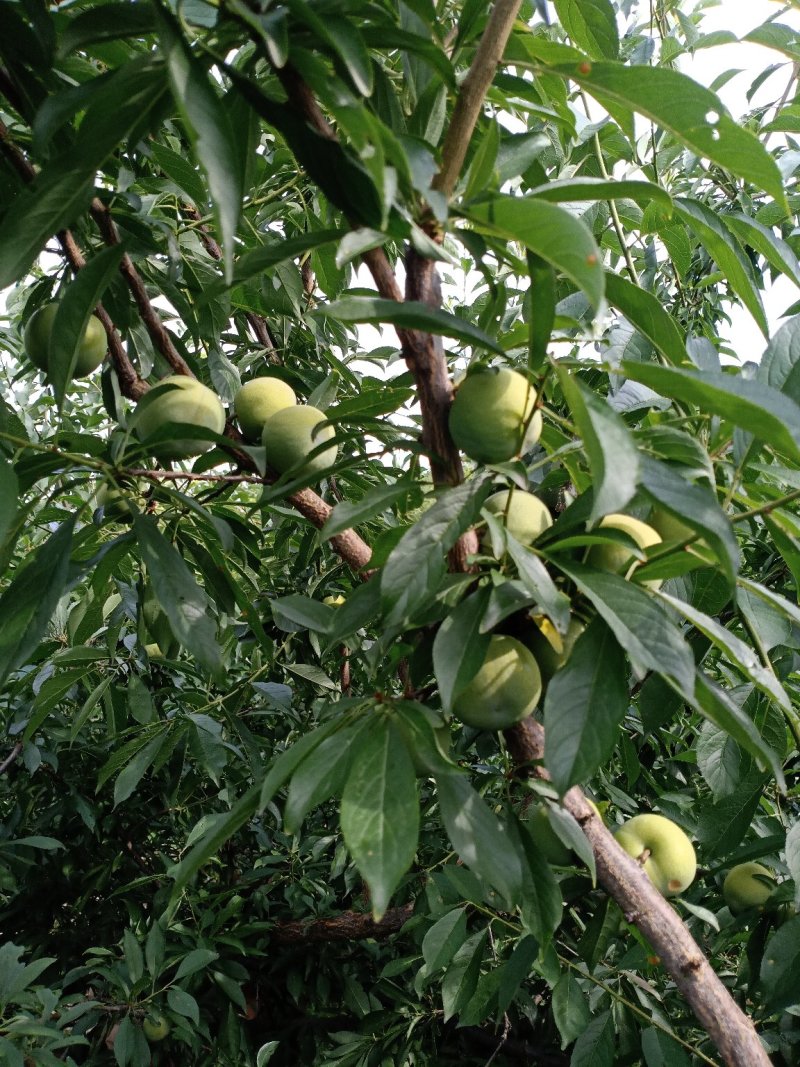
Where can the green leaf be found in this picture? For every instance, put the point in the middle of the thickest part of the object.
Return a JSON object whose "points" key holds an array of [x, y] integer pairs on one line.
{"points": [[460, 647], [695, 505], [640, 625], [321, 775], [133, 773], [181, 599], [410, 579], [295, 612], [63, 189], [780, 364], [196, 960], [134, 959], [694, 115], [535, 577], [724, 712], [592, 25], [777, 252], [380, 811], [726, 822], [585, 704], [408, 315], [793, 859], [660, 1050], [574, 190], [28, 603], [541, 301], [595, 1047], [210, 133], [550, 232], [737, 651], [267, 256], [769, 415], [540, 907], [109, 22], [727, 253], [647, 314], [461, 978], [780, 967], [343, 37], [74, 311], [570, 1008], [484, 843], [183, 1003], [347, 514], [612, 452], [179, 170], [443, 939], [9, 491]]}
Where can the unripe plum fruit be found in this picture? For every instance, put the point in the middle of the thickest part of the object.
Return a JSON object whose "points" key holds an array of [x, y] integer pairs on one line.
{"points": [[505, 690], [669, 858], [91, 347], [524, 514], [178, 399], [552, 649], [257, 401], [292, 434], [618, 558], [155, 1027], [744, 889], [493, 418]]}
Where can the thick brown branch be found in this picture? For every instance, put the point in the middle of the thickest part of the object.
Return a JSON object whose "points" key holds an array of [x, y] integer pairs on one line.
{"points": [[349, 926], [641, 903], [472, 93], [159, 335]]}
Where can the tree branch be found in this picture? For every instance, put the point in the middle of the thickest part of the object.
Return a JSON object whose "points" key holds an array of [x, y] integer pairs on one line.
{"points": [[159, 334], [130, 383], [11, 757], [641, 903], [472, 93], [348, 926]]}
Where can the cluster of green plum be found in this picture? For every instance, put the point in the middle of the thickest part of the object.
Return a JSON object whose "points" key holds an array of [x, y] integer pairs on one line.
{"points": [[493, 419], [293, 440], [294, 435]]}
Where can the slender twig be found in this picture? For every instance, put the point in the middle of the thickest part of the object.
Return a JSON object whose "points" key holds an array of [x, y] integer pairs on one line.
{"points": [[348, 926], [612, 207], [765, 509], [159, 334], [11, 757]]}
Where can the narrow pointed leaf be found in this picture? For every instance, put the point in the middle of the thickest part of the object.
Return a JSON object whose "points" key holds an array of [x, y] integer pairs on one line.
{"points": [[550, 232], [585, 704], [380, 811], [694, 116], [613, 455], [209, 131], [769, 415]]}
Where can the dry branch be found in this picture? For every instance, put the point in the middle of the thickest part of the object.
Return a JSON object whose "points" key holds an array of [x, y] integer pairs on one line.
{"points": [[348, 926]]}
